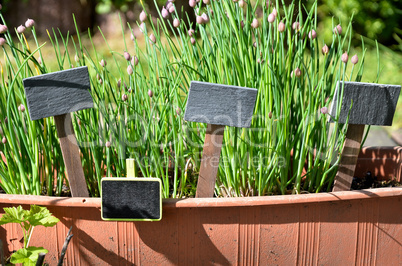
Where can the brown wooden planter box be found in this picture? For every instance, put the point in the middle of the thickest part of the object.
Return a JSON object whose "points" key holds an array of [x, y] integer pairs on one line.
{"points": [[342, 228]]}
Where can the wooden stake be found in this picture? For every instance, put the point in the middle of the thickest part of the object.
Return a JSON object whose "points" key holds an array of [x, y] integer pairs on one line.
{"points": [[71, 155], [350, 153], [210, 161]]}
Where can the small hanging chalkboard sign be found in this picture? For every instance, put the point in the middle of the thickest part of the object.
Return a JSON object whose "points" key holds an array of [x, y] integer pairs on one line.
{"points": [[131, 199]]}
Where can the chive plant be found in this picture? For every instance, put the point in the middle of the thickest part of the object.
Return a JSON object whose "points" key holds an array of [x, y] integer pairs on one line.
{"points": [[140, 95]]}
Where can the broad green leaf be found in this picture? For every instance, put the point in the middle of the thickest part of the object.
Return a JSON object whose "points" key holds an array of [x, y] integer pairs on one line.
{"points": [[13, 215], [41, 216], [27, 256]]}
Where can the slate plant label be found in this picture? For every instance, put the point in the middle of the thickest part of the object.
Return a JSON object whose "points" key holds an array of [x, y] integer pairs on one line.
{"points": [[373, 104], [219, 104], [58, 93]]}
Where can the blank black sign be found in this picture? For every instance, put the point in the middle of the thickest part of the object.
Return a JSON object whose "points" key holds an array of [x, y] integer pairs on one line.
{"points": [[132, 199]]}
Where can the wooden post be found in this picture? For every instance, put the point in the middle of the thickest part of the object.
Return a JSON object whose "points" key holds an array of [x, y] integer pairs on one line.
{"points": [[218, 106], [210, 161], [372, 104], [58, 94]]}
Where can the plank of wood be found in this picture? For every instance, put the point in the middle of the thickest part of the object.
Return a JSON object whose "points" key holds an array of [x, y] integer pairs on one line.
{"points": [[210, 161], [350, 152], [219, 104], [58, 93], [71, 155], [373, 104]]}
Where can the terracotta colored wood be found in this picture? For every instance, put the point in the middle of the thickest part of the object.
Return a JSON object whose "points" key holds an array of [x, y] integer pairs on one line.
{"points": [[210, 161], [350, 152], [71, 155]]}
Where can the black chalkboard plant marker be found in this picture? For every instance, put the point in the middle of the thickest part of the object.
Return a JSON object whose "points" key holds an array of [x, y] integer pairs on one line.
{"points": [[131, 198], [58, 94], [218, 106], [372, 104]]}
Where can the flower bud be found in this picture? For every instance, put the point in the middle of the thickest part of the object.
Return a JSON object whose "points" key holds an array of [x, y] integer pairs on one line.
{"points": [[103, 63], [325, 50], [152, 39], [124, 97], [130, 90], [76, 58], [165, 13], [118, 83], [134, 60], [1, 7], [150, 93], [312, 34], [4, 140], [344, 57], [3, 28], [168, 5], [29, 23], [132, 36], [274, 12], [242, 24], [199, 20], [129, 70], [21, 108], [205, 18], [127, 56], [281, 27], [40, 62], [324, 110], [192, 3], [108, 144], [296, 26], [178, 110], [205, 2], [2, 41], [255, 23], [242, 3], [172, 9], [190, 32], [143, 16], [338, 29], [142, 27], [297, 72], [271, 18], [270, 115], [354, 59], [176, 23], [192, 40], [20, 29]]}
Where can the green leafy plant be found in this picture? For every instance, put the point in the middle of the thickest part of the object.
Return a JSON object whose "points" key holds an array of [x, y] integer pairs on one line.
{"points": [[140, 93], [28, 220]]}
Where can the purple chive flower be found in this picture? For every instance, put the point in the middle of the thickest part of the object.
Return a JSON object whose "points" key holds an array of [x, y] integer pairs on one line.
{"points": [[345, 57], [3, 28], [124, 97], [192, 3], [206, 2], [338, 29], [274, 12], [165, 12], [129, 70], [29, 23], [4, 140], [134, 60], [103, 63], [191, 32], [297, 72], [150, 93], [108, 144], [199, 20], [281, 27], [143, 16], [271, 18], [21, 108], [205, 17], [324, 110], [242, 3], [354, 59], [168, 5], [127, 56], [152, 39], [296, 26], [176, 23], [325, 50], [2, 41], [172, 9], [20, 29], [255, 23], [312, 34]]}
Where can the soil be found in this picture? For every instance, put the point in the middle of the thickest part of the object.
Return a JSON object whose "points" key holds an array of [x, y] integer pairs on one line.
{"points": [[370, 181]]}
